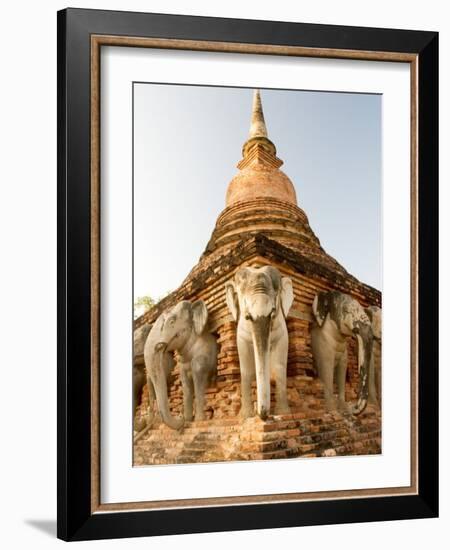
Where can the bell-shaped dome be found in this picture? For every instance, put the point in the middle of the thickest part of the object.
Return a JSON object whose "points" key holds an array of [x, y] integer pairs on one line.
{"points": [[259, 181], [259, 174]]}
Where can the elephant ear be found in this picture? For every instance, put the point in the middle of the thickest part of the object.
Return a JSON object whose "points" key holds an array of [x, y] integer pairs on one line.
{"points": [[158, 325], [232, 300], [287, 295], [374, 314], [320, 308], [139, 338], [199, 316]]}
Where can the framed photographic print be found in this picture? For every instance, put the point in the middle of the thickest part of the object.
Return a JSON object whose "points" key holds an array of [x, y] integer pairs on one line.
{"points": [[247, 254]]}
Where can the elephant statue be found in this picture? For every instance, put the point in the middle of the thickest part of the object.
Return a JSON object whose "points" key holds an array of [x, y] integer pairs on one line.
{"points": [[259, 299], [139, 380], [141, 336], [337, 317], [139, 377], [374, 314], [182, 329]]}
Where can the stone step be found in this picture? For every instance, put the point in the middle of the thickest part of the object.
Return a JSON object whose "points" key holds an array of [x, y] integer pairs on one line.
{"points": [[305, 432]]}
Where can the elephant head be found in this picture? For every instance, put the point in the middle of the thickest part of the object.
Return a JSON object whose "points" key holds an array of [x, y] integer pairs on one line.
{"points": [[374, 314], [349, 319], [260, 298], [174, 330], [182, 323]]}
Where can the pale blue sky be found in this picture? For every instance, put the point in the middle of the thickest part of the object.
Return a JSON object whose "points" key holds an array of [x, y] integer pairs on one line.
{"points": [[188, 140]]}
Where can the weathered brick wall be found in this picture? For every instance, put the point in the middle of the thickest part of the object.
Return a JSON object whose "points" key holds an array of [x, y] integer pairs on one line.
{"points": [[314, 432]]}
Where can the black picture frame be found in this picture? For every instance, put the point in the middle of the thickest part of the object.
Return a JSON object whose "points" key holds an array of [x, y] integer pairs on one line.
{"points": [[75, 518]]}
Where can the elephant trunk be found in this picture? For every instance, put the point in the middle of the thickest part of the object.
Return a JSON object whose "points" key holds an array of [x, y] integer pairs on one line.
{"points": [[365, 343], [151, 403], [160, 385], [260, 334]]}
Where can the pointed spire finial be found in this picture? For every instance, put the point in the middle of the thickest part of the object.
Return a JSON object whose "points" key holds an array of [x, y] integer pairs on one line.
{"points": [[258, 148], [258, 125]]}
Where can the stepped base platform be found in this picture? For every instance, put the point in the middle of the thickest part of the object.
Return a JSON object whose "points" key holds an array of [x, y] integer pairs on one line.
{"points": [[300, 434]]}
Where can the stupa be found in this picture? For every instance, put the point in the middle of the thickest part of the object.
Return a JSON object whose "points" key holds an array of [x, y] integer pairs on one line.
{"points": [[263, 224]]}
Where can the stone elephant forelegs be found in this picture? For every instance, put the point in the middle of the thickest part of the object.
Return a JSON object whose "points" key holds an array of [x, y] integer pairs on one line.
{"points": [[373, 396], [200, 378], [281, 400], [377, 371], [341, 375], [247, 365], [188, 391], [325, 358]]}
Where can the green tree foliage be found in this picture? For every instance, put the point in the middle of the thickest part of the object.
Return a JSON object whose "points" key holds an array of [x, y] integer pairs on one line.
{"points": [[142, 304]]}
